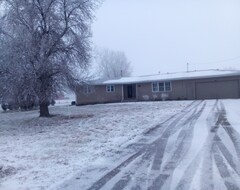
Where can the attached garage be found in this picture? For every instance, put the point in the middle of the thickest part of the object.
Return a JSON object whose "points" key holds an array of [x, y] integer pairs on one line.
{"points": [[227, 89]]}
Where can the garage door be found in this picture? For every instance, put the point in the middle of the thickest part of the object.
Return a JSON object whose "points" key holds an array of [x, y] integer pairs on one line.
{"points": [[217, 90]]}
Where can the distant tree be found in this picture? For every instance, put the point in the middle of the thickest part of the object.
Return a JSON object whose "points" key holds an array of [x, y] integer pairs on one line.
{"points": [[45, 46], [112, 64]]}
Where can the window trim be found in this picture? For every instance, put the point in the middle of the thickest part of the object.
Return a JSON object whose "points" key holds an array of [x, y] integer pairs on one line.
{"points": [[164, 82], [163, 87], [170, 86], [157, 87], [88, 89], [110, 85]]}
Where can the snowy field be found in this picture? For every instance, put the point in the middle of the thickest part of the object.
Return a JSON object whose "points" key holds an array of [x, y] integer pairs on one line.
{"points": [[38, 153], [196, 149]]}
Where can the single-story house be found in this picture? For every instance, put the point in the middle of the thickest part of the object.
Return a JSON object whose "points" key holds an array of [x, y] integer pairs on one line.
{"points": [[192, 85]]}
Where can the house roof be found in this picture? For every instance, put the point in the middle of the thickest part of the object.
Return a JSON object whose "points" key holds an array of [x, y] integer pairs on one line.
{"points": [[173, 76]]}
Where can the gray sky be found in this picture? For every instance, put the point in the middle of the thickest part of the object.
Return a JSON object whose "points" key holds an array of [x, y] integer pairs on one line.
{"points": [[163, 35]]}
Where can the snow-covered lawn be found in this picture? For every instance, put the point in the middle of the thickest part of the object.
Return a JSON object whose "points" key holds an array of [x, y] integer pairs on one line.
{"points": [[198, 148], [37, 153]]}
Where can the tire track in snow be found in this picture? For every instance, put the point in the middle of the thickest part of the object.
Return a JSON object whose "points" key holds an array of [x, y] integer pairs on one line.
{"points": [[235, 137], [207, 158], [158, 147], [189, 173], [100, 183], [219, 152], [232, 133], [159, 182], [122, 183], [177, 116], [145, 169], [228, 156], [184, 140], [229, 182], [207, 165], [172, 129], [148, 150], [183, 144]]}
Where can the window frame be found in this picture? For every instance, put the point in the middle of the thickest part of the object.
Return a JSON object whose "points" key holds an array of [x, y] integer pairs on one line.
{"points": [[160, 90], [88, 89], [170, 85], [157, 90], [110, 88], [164, 86]]}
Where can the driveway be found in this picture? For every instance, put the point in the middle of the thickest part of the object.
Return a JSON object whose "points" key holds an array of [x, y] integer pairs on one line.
{"points": [[194, 149]]}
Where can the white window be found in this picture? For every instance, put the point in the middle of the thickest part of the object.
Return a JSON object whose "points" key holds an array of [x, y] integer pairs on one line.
{"points": [[155, 87], [110, 88], [88, 89], [168, 86], [161, 86]]}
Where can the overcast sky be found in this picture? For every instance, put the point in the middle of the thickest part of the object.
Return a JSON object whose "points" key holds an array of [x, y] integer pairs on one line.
{"points": [[163, 35]]}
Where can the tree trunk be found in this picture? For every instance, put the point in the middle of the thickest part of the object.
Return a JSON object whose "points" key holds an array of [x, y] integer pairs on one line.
{"points": [[44, 112]]}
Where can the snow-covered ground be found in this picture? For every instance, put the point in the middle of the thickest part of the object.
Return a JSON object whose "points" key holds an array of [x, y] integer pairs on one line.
{"points": [[39, 153], [198, 148]]}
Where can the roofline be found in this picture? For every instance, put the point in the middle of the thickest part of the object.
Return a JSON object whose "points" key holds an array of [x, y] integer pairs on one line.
{"points": [[237, 73], [138, 81]]}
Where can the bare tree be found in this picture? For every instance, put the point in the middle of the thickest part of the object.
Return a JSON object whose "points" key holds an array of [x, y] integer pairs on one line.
{"points": [[46, 46], [112, 64]]}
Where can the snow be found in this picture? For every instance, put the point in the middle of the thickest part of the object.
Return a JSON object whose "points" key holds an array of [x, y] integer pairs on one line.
{"points": [[233, 111], [200, 132], [199, 142], [39, 153], [68, 99], [196, 149], [174, 76]]}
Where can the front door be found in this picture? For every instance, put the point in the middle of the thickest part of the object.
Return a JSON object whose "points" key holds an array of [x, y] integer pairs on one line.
{"points": [[130, 91]]}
